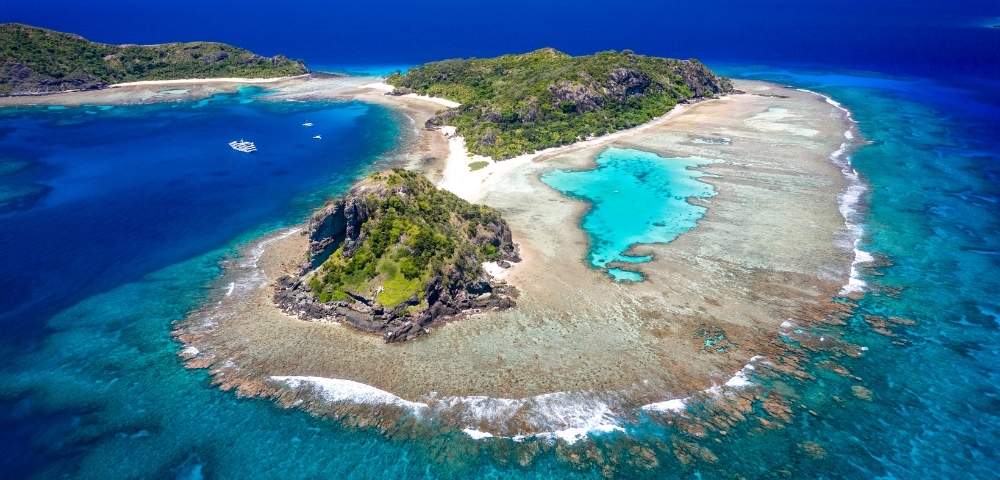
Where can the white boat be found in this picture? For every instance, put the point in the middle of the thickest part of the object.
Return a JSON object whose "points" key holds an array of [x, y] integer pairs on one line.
{"points": [[243, 146], [318, 137], [307, 124]]}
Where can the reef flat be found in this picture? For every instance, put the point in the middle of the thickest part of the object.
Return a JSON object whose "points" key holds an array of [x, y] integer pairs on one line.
{"points": [[772, 247]]}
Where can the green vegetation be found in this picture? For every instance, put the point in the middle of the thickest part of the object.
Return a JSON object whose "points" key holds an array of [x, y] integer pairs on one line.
{"points": [[478, 165], [515, 104], [413, 234], [36, 60]]}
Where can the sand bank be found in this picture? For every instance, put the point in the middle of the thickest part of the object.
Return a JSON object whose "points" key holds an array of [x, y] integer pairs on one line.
{"points": [[184, 81], [157, 91]]}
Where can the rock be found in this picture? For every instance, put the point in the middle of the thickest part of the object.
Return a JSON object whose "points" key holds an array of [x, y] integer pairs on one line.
{"points": [[457, 287], [575, 96], [702, 81], [624, 83], [325, 231], [861, 392]]}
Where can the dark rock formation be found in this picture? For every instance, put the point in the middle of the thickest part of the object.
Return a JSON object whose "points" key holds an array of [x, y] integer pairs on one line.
{"points": [[459, 286], [575, 96], [701, 80]]}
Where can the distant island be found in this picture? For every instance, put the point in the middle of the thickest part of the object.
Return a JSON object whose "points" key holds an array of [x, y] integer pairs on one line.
{"points": [[37, 61], [515, 104], [397, 254]]}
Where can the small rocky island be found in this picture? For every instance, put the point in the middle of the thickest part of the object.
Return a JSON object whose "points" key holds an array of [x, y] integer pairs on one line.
{"points": [[397, 255]]}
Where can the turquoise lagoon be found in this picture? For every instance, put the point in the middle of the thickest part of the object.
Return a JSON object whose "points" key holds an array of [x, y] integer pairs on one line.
{"points": [[636, 198]]}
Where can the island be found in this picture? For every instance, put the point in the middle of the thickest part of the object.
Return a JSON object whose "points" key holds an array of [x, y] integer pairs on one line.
{"points": [[559, 244], [37, 61], [515, 104], [396, 255]]}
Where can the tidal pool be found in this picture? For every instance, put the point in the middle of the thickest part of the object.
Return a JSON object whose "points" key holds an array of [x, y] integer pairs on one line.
{"points": [[636, 197]]}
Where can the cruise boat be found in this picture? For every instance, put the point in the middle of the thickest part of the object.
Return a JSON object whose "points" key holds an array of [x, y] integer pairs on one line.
{"points": [[243, 146]]}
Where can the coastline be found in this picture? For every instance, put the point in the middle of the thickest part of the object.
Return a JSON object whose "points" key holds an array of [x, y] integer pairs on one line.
{"points": [[150, 91], [184, 81], [481, 423]]}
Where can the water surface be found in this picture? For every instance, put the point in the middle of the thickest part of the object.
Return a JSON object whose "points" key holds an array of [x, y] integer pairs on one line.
{"points": [[636, 198], [102, 195], [140, 204]]}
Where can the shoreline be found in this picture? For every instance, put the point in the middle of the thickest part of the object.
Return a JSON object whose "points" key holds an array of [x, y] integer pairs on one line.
{"points": [[507, 167], [149, 92], [851, 200], [185, 81]]}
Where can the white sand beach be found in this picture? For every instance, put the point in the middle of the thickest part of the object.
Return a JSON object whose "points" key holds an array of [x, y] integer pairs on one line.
{"points": [[184, 81]]}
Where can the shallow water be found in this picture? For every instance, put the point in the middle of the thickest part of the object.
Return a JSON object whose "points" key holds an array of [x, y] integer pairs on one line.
{"points": [[636, 198], [92, 387]]}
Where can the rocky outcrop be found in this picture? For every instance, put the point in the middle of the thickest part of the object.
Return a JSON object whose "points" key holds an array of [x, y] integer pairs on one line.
{"points": [[446, 300], [575, 96], [701, 80], [457, 286], [339, 223], [19, 79], [624, 83]]}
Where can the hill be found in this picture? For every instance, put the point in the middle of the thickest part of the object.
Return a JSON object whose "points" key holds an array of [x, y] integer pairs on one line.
{"points": [[517, 104], [36, 60], [396, 254]]}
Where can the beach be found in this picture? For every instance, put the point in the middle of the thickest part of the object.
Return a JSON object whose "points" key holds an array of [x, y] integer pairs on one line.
{"points": [[772, 248], [151, 91]]}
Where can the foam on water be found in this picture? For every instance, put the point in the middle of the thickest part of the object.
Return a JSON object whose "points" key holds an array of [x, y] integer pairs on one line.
{"points": [[569, 417], [739, 380], [339, 390], [476, 434], [566, 416], [850, 200]]}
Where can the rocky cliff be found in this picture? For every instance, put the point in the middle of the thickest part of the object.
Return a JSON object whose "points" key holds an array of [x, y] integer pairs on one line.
{"points": [[396, 255]]}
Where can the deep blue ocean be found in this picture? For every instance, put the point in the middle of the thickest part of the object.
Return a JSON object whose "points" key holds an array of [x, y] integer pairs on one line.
{"points": [[113, 224]]}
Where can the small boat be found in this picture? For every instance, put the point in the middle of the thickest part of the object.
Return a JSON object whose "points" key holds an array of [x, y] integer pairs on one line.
{"points": [[317, 137], [307, 124], [243, 146]]}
